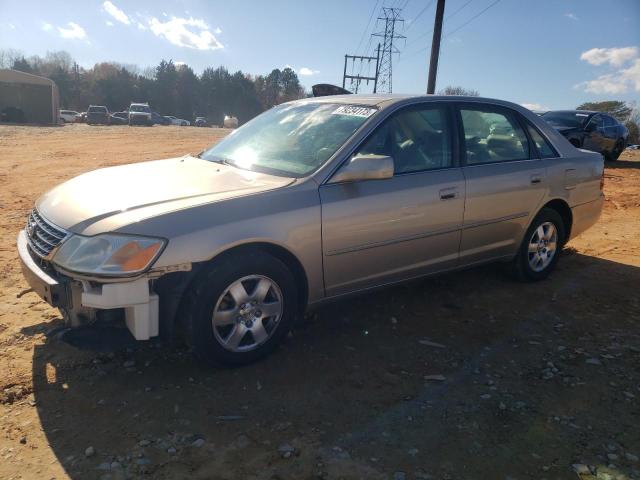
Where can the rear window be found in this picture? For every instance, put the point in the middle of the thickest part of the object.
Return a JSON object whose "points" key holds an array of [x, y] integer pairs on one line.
{"points": [[566, 119], [97, 110], [140, 108], [542, 144]]}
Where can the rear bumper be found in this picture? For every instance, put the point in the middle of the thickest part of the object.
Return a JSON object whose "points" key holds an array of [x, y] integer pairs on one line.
{"points": [[586, 215], [51, 289]]}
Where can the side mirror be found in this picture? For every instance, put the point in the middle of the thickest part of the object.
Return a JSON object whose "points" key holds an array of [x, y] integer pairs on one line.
{"points": [[365, 167]]}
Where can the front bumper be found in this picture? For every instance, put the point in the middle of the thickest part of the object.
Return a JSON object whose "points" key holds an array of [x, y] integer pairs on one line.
{"points": [[51, 289], [141, 306]]}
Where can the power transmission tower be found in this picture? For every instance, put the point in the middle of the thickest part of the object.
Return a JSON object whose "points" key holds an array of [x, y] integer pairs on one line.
{"points": [[356, 79], [391, 16]]}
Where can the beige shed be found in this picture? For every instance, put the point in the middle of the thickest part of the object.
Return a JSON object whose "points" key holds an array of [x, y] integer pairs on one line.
{"points": [[27, 98]]}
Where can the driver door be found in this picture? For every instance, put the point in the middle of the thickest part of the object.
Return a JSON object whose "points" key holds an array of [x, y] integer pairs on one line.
{"points": [[380, 231]]}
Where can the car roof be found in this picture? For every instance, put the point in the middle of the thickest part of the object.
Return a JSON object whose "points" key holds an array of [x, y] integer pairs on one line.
{"points": [[386, 100], [584, 112]]}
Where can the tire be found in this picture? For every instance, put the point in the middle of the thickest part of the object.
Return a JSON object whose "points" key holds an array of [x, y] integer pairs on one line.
{"points": [[617, 150], [525, 265], [216, 308]]}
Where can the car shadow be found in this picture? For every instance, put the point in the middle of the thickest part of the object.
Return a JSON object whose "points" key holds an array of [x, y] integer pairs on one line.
{"points": [[351, 377], [623, 164]]}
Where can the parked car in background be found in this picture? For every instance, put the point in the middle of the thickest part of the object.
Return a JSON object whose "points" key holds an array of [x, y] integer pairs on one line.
{"points": [[140, 114], [310, 201], [178, 121], [593, 131], [83, 117], [201, 122], [98, 115], [230, 122], [633, 147], [69, 116], [158, 119], [120, 118]]}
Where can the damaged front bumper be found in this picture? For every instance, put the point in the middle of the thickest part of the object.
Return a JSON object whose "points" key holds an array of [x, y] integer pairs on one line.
{"points": [[80, 298]]}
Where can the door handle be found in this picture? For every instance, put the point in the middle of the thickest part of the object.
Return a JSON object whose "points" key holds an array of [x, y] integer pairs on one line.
{"points": [[536, 179], [448, 193]]}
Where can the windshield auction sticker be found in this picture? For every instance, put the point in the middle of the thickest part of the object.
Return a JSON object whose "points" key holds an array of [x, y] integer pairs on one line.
{"points": [[354, 111]]}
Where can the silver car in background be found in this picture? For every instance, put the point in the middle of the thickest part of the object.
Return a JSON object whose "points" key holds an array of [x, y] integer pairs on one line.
{"points": [[310, 201]]}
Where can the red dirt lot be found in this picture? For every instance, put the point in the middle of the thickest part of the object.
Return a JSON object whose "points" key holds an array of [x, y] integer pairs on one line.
{"points": [[463, 376]]}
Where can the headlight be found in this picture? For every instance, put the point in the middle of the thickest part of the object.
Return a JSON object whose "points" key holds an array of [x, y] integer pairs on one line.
{"points": [[108, 254]]}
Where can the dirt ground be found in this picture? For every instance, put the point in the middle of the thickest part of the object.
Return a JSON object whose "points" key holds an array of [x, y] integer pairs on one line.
{"points": [[464, 376]]}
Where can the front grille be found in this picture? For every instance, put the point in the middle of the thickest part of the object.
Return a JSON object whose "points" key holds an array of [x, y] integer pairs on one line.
{"points": [[42, 235]]}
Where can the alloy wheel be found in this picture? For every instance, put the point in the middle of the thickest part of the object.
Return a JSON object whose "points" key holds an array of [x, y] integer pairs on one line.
{"points": [[543, 245], [247, 313]]}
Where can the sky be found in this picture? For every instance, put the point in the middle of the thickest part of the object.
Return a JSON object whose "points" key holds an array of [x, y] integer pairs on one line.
{"points": [[546, 54]]}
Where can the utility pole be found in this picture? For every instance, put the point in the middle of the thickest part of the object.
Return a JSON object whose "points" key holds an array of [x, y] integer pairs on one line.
{"points": [[391, 16], [435, 48], [356, 79]]}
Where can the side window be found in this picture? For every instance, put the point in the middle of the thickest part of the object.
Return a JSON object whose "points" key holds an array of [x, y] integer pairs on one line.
{"points": [[492, 136], [418, 139], [544, 147], [609, 122], [596, 122]]}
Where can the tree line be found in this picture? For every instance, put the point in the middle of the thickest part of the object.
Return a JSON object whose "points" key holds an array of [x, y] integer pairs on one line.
{"points": [[170, 88]]}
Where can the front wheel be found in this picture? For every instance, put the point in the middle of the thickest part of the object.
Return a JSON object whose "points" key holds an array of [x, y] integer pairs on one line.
{"points": [[239, 308], [541, 246]]}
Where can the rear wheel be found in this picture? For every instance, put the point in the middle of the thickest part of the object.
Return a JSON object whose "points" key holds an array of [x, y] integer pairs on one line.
{"points": [[541, 246], [239, 308], [617, 150]]}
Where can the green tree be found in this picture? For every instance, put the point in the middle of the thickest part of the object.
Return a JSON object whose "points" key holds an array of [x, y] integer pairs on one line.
{"points": [[616, 108], [451, 90]]}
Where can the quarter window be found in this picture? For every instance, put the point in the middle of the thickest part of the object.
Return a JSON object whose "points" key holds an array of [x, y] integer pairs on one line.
{"points": [[417, 139], [544, 147], [492, 136]]}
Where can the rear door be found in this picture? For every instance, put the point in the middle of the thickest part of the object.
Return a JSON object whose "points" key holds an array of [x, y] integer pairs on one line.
{"points": [[380, 231], [504, 182]]}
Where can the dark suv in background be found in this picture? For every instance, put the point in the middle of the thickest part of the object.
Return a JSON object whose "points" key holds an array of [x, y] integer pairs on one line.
{"points": [[98, 115], [593, 131]]}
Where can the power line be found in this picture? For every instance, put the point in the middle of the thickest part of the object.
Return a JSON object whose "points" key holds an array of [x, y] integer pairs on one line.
{"points": [[471, 19], [414, 53], [419, 15], [367, 27], [448, 17]]}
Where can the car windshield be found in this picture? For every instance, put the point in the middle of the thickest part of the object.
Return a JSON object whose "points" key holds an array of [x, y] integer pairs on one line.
{"points": [[139, 108], [97, 109], [566, 119], [290, 140]]}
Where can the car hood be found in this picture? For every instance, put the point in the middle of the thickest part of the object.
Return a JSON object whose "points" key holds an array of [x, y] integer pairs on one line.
{"points": [[109, 198]]}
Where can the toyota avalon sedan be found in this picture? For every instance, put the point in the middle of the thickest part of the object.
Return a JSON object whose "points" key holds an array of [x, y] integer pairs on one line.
{"points": [[311, 201]]}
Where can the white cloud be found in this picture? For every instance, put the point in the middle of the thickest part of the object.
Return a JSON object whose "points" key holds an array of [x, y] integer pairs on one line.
{"points": [[571, 16], [307, 71], [141, 26], [186, 32], [47, 27], [74, 31], [534, 106], [12, 26], [217, 31], [116, 13], [616, 57], [619, 81], [109, 23]]}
